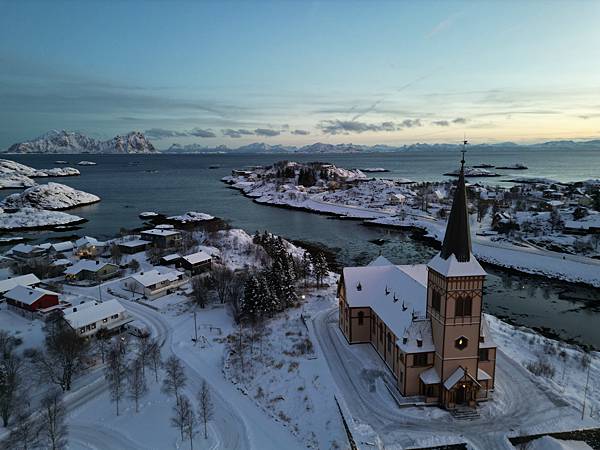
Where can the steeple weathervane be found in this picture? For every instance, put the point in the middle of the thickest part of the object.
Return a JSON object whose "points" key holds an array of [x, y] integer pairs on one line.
{"points": [[463, 151]]}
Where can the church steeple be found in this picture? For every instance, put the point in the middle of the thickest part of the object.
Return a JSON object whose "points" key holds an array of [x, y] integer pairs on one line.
{"points": [[457, 240]]}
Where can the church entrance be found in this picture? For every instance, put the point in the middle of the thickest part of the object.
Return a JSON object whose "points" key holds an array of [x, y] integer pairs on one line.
{"points": [[461, 395]]}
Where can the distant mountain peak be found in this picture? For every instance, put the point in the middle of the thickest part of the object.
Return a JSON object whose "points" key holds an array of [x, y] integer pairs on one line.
{"points": [[63, 141]]}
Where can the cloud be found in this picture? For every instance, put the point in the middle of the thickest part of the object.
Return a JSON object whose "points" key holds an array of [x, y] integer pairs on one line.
{"points": [[199, 132], [230, 132], [354, 126], [301, 132], [160, 133], [447, 123], [460, 120], [443, 25], [267, 132], [441, 123]]}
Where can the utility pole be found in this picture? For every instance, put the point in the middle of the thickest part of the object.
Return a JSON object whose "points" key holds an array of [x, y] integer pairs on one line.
{"points": [[195, 327], [587, 382]]}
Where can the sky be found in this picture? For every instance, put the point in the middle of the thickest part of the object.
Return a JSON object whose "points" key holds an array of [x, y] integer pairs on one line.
{"points": [[298, 72]]}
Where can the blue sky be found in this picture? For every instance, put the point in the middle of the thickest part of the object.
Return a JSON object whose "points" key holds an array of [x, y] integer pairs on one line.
{"points": [[295, 72]]}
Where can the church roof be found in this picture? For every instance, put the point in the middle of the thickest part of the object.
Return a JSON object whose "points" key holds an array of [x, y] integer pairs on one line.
{"points": [[457, 240]]}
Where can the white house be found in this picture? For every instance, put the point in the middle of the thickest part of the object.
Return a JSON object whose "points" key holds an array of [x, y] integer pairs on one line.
{"points": [[88, 246], [155, 283], [23, 280], [397, 198], [88, 320]]}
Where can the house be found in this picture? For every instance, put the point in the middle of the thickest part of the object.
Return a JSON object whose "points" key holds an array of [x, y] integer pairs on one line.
{"points": [[134, 246], [29, 254], [162, 238], [196, 262], [87, 269], [155, 283], [396, 199], [173, 259], [24, 299], [88, 247], [94, 316], [23, 280], [425, 321], [62, 247]]}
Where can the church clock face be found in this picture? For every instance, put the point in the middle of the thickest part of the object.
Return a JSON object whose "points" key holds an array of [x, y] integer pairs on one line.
{"points": [[461, 343]]}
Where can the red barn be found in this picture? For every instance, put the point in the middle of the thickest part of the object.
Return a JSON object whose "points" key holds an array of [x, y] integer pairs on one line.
{"points": [[30, 299]]}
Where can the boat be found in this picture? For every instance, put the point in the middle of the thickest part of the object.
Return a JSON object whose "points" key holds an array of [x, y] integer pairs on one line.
{"points": [[60, 161], [513, 167], [215, 166], [86, 163]]}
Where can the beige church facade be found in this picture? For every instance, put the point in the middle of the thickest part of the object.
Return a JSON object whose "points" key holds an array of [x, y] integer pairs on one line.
{"points": [[425, 321]]}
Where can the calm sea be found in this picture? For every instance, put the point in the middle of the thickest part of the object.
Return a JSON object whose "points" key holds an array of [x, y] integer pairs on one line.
{"points": [[173, 184]]}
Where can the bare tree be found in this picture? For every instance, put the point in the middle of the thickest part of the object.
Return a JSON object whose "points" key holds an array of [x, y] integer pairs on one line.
{"points": [[175, 378], [53, 430], [154, 357], [222, 277], [24, 433], [116, 255], [142, 345], [102, 343], [205, 406], [199, 291], [181, 412], [64, 356], [189, 427], [11, 381], [137, 382], [116, 373], [236, 294]]}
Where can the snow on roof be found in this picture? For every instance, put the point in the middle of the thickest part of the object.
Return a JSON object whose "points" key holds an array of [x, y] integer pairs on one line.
{"points": [[26, 248], [23, 280], [161, 232], [155, 276], [27, 295], [550, 443], [83, 305], [451, 267], [134, 243], [94, 313], [88, 240], [196, 258], [62, 262], [418, 330], [554, 203], [430, 376], [456, 376], [87, 264], [63, 246], [171, 257], [377, 287], [380, 261], [482, 375]]}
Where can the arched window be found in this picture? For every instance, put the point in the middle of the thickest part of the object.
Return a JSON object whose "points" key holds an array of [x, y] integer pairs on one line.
{"points": [[380, 332], [436, 301], [361, 317], [389, 342]]}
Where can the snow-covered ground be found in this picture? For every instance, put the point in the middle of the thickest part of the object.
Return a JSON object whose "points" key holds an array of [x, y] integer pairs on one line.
{"points": [[17, 175], [26, 218], [51, 196]]}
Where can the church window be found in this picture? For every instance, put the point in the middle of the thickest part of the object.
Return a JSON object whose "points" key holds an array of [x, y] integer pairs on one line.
{"points": [[380, 333], [361, 317], [436, 300], [420, 359], [461, 343], [484, 354], [389, 342], [463, 307]]}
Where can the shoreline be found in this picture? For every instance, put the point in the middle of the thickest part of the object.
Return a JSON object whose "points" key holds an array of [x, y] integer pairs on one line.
{"points": [[429, 235]]}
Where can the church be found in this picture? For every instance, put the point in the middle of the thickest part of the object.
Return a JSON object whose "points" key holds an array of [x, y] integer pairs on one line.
{"points": [[425, 321]]}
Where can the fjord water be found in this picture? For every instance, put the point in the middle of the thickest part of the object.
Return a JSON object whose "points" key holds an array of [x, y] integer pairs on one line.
{"points": [[173, 184]]}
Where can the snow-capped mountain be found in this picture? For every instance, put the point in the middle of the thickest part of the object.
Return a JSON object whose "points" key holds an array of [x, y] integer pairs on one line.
{"points": [[73, 142], [320, 147]]}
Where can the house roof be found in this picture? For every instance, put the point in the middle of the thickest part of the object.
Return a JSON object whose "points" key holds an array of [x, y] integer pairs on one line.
{"points": [[63, 246], [94, 313], [457, 240], [451, 267], [171, 257], [155, 276], [23, 280], [418, 329], [482, 375], [197, 258], [377, 287], [88, 265], [456, 376], [133, 243], [380, 261], [26, 248], [430, 376], [26, 294], [88, 240], [161, 232]]}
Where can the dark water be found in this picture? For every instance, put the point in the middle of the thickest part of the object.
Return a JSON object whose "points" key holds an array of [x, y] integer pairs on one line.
{"points": [[173, 184]]}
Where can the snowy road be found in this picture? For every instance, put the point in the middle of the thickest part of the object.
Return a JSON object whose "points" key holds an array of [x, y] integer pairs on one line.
{"points": [[519, 405]]}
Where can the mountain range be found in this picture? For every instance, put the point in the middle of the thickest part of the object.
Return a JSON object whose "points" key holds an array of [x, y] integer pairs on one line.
{"points": [[73, 142]]}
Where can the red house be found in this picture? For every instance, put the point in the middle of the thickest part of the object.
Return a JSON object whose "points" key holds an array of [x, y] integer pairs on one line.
{"points": [[29, 299]]}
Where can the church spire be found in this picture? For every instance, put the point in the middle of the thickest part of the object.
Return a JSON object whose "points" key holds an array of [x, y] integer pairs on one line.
{"points": [[457, 240]]}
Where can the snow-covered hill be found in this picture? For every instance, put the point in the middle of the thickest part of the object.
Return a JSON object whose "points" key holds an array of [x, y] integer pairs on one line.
{"points": [[51, 196], [16, 175], [73, 142]]}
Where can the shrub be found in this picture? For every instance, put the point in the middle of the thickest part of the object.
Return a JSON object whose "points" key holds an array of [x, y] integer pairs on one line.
{"points": [[541, 368]]}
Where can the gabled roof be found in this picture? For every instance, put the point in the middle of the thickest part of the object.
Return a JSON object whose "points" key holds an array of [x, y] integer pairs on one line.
{"points": [[155, 276], [377, 287], [88, 240], [23, 280], [451, 267], [197, 258], [160, 232], [456, 376], [27, 295], [88, 265], [94, 313], [430, 376], [380, 261]]}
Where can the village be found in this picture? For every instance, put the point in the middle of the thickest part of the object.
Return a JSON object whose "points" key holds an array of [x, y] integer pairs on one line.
{"points": [[267, 326]]}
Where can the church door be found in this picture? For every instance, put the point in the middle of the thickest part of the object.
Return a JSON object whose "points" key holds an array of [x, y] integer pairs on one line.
{"points": [[461, 395]]}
